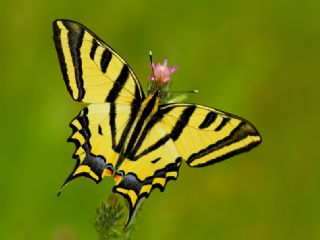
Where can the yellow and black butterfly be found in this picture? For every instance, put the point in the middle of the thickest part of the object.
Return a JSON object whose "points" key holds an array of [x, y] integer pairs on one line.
{"points": [[129, 135]]}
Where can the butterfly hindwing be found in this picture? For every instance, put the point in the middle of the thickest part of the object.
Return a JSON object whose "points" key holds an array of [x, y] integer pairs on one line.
{"points": [[97, 132], [154, 165], [92, 71]]}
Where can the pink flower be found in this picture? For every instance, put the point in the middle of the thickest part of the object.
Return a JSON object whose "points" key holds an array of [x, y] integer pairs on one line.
{"points": [[162, 72]]}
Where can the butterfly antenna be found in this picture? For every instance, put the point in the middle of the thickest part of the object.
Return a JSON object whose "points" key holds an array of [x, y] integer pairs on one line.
{"points": [[151, 63], [187, 91]]}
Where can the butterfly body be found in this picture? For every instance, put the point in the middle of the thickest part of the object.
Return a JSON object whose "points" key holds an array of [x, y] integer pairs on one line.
{"points": [[129, 135]]}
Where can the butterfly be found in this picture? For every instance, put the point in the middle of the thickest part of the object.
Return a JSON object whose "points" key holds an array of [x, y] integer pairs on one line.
{"points": [[135, 138]]}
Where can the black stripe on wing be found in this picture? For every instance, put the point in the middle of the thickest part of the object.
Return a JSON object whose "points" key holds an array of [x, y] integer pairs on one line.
{"points": [[223, 123], [150, 106], [239, 133], [75, 39], [105, 60], [118, 146], [93, 49], [118, 84], [63, 65], [182, 122], [75, 36], [209, 119]]}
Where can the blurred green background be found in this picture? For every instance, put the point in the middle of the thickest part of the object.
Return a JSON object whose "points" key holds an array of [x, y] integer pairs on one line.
{"points": [[256, 59]]}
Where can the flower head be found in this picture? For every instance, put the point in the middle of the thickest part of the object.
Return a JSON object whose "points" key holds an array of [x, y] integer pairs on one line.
{"points": [[161, 72]]}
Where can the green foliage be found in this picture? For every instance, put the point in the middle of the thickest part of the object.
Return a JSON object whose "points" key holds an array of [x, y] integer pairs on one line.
{"points": [[109, 219]]}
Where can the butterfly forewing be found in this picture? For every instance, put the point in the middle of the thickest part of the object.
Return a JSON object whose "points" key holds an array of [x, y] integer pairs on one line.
{"points": [[92, 71], [205, 135]]}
